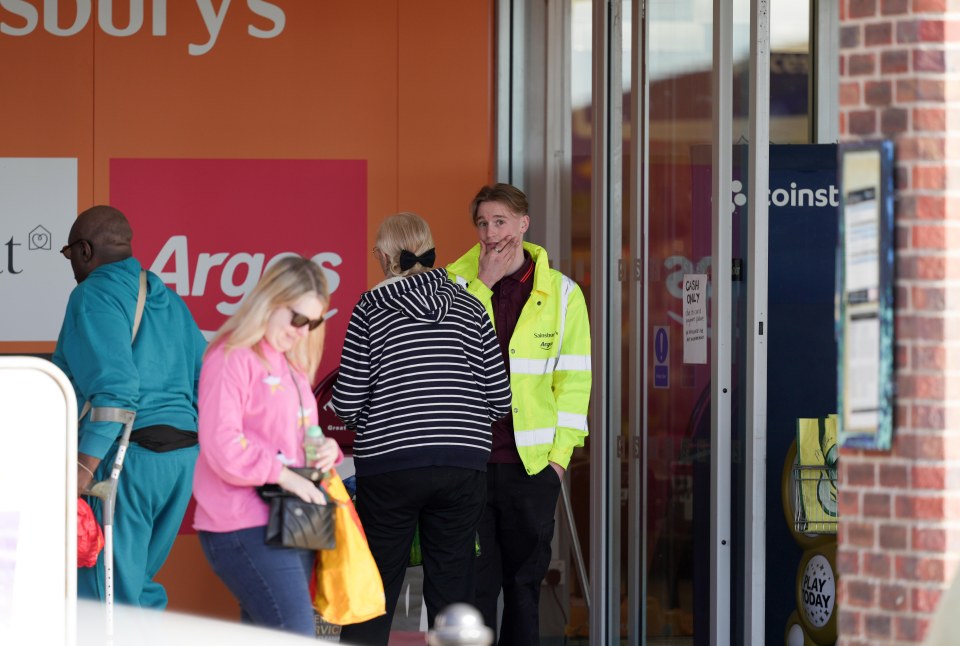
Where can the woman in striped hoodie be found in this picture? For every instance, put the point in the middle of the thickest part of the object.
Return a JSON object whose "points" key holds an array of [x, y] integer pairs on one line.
{"points": [[421, 380]]}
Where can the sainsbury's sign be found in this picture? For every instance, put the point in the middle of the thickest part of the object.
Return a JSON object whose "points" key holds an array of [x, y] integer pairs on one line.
{"points": [[123, 18]]}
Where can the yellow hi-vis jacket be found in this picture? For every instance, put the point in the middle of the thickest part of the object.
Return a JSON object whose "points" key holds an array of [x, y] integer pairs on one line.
{"points": [[549, 360]]}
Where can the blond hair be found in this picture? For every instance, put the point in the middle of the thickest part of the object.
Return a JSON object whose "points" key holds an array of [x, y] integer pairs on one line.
{"points": [[404, 231], [281, 285]]}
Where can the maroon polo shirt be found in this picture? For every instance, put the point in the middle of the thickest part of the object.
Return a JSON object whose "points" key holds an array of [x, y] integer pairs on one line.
{"points": [[510, 294]]}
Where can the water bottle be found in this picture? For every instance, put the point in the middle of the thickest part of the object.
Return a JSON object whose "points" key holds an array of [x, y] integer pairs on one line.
{"points": [[313, 432]]}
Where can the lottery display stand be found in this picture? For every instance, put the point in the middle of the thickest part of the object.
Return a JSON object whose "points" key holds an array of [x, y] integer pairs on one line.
{"points": [[809, 496]]}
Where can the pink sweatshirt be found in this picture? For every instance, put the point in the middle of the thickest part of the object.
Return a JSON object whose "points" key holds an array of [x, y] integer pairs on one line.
{"points": [[249, 428]]}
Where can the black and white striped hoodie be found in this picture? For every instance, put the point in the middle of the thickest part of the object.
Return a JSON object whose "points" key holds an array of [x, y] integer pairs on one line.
{"points": [[421, 377]]}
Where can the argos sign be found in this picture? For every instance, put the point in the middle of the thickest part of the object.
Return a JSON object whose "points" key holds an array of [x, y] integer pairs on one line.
{"points": [[209, 228]]}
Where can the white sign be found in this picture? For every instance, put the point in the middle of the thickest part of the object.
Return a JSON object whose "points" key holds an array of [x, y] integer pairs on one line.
{"points": [[695, 318], [38, 204], [38, 514], [818, 590]]}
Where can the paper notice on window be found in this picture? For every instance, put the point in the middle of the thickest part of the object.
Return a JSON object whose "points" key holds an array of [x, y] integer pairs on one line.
{"points": [[695, 318], [862, 379], [861, 220]]}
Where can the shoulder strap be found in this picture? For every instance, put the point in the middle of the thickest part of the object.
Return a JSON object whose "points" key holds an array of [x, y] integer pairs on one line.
{"points": [[137, 317], [141, 300]]}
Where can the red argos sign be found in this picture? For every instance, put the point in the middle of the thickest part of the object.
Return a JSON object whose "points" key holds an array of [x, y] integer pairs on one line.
{"points": [[209, 228]]}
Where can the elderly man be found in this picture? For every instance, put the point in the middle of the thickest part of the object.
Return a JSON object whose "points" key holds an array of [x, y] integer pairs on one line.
{"points": [[155, 376]]}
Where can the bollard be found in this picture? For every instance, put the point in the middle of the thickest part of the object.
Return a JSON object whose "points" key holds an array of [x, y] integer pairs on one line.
{"points": [[459, 624]]}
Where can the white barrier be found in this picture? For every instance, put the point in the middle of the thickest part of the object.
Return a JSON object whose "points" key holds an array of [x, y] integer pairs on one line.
{"points": [[38, 503]]}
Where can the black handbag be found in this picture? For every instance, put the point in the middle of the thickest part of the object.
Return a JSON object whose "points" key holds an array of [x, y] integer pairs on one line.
{"points": [[295, 523]]}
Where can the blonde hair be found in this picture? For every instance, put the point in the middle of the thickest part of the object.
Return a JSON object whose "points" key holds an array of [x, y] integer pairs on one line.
{"points": [[404, 231], [281, 285]]}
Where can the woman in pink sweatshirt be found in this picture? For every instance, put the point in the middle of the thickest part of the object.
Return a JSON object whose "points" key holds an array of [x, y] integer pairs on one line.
{"points": [[255, 403]]}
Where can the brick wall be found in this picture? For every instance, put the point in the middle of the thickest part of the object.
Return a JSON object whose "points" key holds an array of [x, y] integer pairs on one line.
{"points": [[899, 533]]}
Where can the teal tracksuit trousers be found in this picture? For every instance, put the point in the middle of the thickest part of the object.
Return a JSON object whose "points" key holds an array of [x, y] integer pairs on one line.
{"points": [[152, 496]]}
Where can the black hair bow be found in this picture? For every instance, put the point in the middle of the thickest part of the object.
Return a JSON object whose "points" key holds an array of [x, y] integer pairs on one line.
{"points": [[408, 260]]}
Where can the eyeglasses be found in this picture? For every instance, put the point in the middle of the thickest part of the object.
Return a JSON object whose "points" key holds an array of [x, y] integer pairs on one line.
{"points": [[299, 320], [67, 250]]}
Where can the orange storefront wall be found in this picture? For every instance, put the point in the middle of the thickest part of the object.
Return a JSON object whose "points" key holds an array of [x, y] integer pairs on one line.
{"points": [[404, 86]]}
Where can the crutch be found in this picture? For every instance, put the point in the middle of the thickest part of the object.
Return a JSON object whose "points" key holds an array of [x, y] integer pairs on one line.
{"points": [[106, 490]]}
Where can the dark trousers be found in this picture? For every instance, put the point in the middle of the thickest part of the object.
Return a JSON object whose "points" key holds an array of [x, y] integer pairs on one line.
{"points": [[447, 503], [515, 534]]}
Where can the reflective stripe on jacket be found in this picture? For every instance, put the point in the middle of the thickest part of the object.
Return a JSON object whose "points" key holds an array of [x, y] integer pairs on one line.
{"points": [[549, 360]]}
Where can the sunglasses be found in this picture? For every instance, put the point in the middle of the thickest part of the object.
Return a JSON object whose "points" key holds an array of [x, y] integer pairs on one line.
{"points": [[67, 249], [299, 320]]}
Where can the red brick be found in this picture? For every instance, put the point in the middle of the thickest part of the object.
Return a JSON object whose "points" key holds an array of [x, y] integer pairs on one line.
{"points": [[907, 327], [875, 34], [931, 148], [877, 626], [928, 298], [894, 597], [925, 60], [902, 295], [910, 568], [910, 629], [914, 90], [876, 505], [930, 119], [929, 237], [929, 6], [929, 358], [863, 122], [895, 61], [929, 539], [861, 64], [862, 8], [921, 148], [931, 268], [929, 477], [931, 207], [901, 413], [920, 507], [914, 446], [901, 174], [929, 177], [877, 92], [908, 31], [859, 534], [862, 474], [893, 537], [849, 36], [849, 622], [928, 417], [930, 31], [859, 594], [877, 566], [893, 7], [850, 94], [925, 599], [893, 476], [849, 502], [848, 563]]}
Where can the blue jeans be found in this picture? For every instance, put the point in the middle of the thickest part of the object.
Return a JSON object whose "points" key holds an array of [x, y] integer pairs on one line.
{"points": [[271, 583]]}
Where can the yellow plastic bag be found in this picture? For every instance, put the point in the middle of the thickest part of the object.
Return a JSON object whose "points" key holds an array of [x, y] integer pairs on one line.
{"points": [[347, 584]]}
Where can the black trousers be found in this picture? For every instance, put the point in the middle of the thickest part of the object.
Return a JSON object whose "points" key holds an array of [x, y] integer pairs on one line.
{"points": [[447, 502], [515, 534]]}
